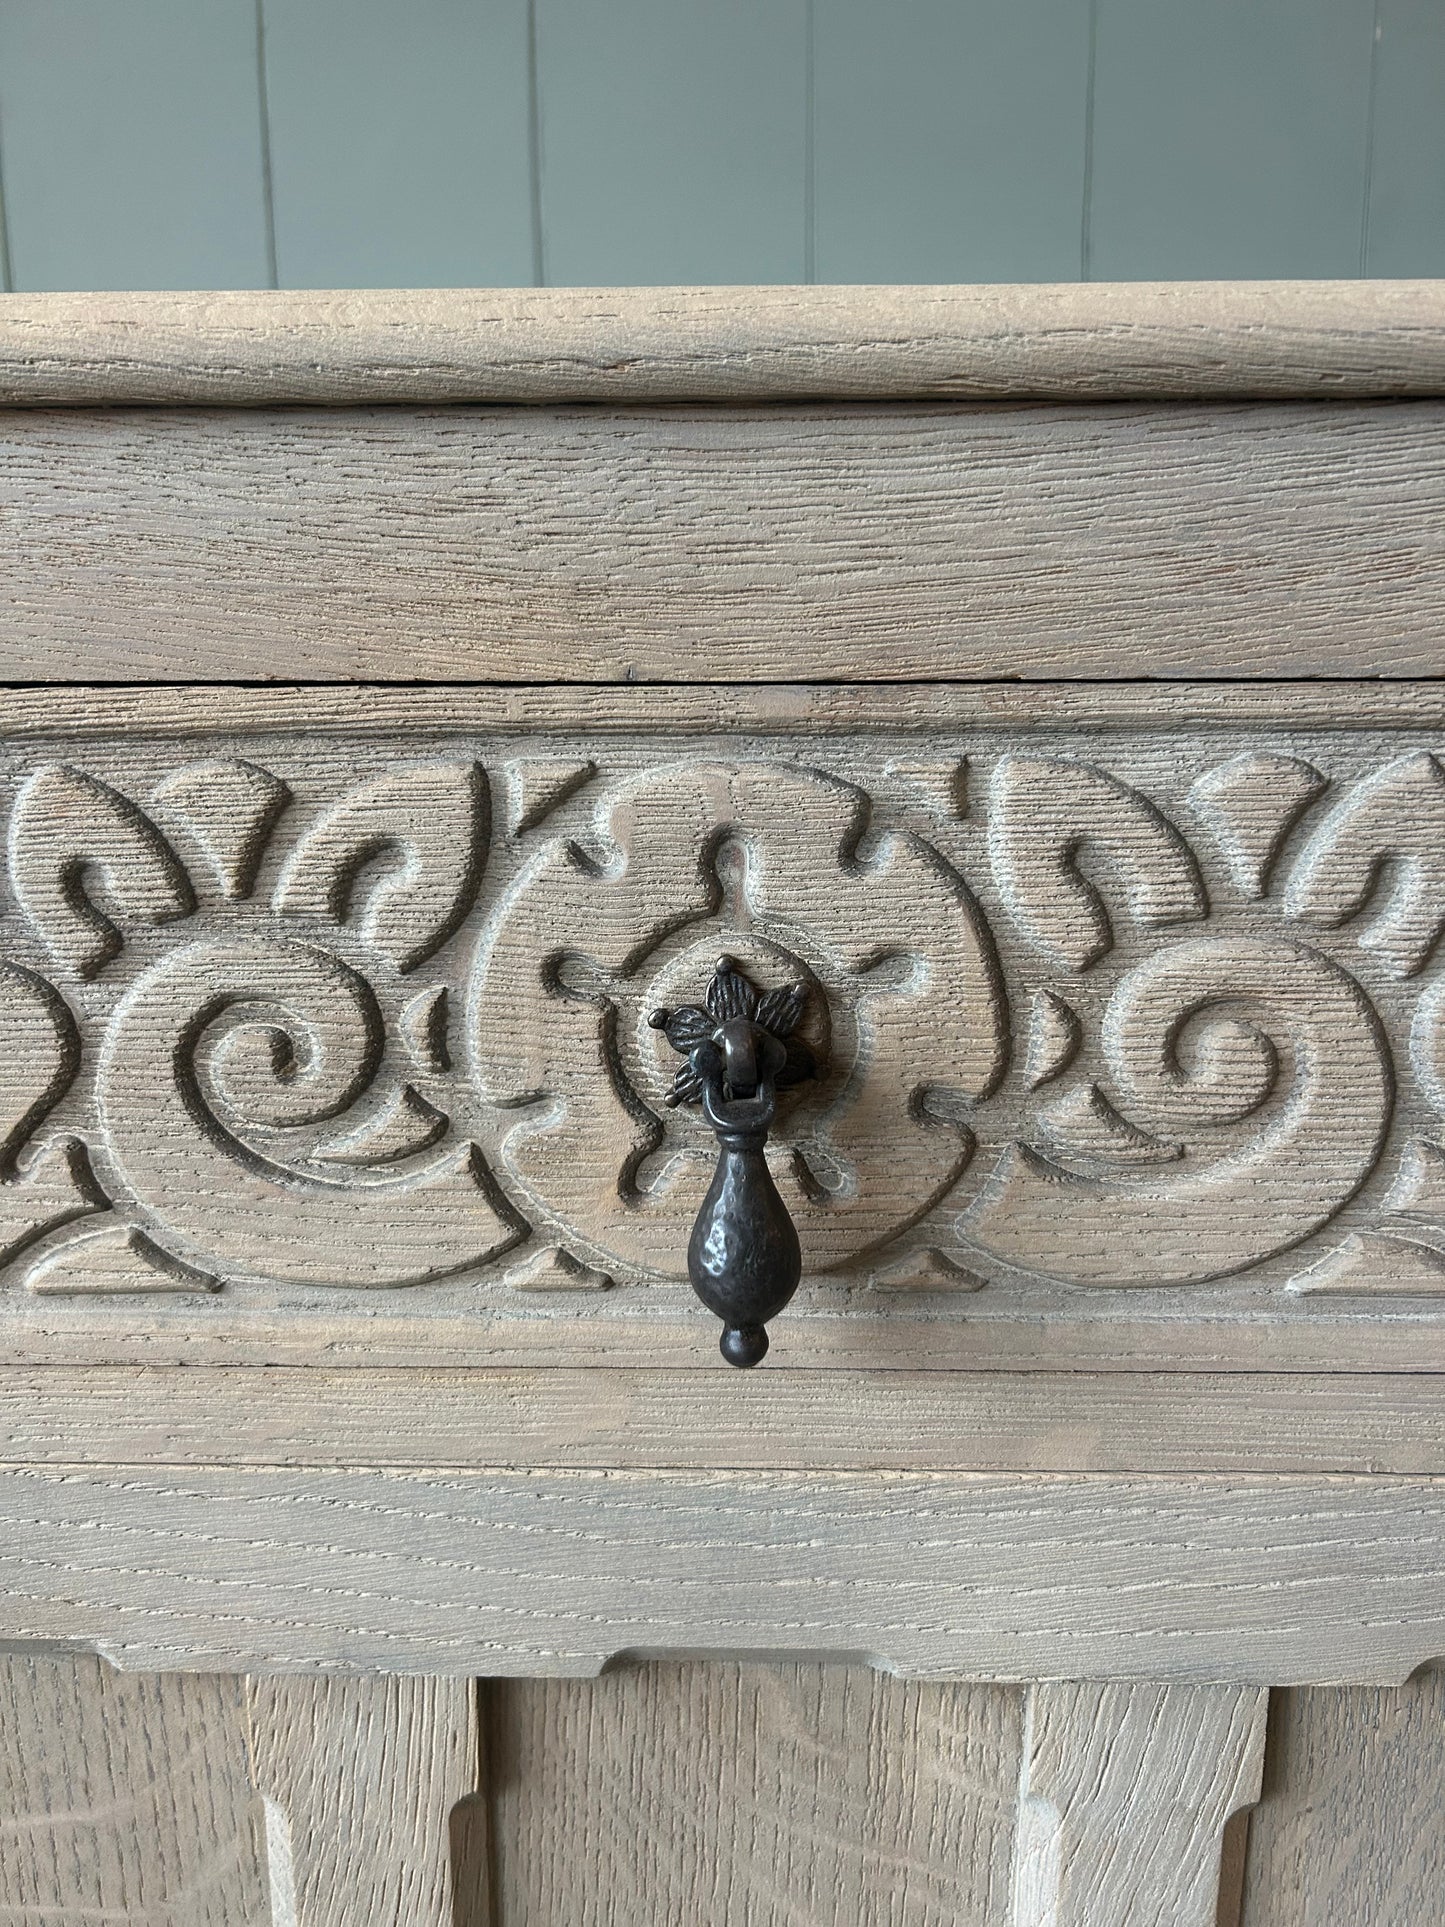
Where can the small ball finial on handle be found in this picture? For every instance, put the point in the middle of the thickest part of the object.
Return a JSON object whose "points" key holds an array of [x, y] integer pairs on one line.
{"points": [[744, 1345]]}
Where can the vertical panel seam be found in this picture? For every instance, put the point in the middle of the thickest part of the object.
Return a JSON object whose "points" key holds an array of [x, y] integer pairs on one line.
{"points": [[534, 151], [810, 177], [7, 279], [1086, 211], [263, 113], [1375, 32]]}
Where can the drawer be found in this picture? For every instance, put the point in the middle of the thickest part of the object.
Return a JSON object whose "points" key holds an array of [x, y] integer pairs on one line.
{"points": [[329, 1021]]}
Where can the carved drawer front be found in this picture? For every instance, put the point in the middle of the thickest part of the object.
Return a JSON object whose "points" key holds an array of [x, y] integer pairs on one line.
{"points": [[326, 1021]]}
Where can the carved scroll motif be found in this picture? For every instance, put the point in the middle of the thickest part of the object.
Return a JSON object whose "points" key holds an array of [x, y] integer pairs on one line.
{"points": [[253, 1113], [224, 1142], [778, 868], [1256, 1072], [286, 1029], [1240, 1087], [1044, 817]]}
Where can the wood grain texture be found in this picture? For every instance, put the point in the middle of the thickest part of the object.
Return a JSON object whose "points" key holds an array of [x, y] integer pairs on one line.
{"points": [[1348, 1828], [126, 1800], [882, 543], [1293, 1188], [398, 143], [70, 713], [359, 1778], [1231, 139], [130, 139], [210, 1800], [750, 1796], [947, 1574], [1162, 341], [1337, 1338], [1123, 1798], [780, 1420]]}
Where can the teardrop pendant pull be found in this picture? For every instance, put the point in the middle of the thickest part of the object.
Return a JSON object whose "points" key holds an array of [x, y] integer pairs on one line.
{"points": [[743, 1258]]}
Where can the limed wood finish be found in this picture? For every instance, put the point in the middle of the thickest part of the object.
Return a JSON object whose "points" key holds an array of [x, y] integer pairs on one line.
{"points": [[325, 1073], [331, 1043], [753, 1796], [776, 544], [1135, 341], [170, 1800], [126, 1798], [1124, 1795], [1007, 1576], [700, 1418], [358, 1781], [1348, 1825], [209, 1801]]}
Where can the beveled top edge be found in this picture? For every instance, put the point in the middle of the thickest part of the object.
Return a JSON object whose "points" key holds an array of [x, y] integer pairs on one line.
{"points": [[1228, 340]]}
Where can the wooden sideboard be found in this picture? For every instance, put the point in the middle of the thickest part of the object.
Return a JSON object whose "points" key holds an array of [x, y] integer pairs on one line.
{"points": [[406, 696]]}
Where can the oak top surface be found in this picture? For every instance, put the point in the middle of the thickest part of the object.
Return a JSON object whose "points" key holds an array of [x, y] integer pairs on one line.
{"points": [[1143, 340]]}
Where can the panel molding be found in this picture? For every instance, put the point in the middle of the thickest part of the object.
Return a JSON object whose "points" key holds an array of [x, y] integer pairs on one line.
{"points": [[359, 1779], [1165, 340]]}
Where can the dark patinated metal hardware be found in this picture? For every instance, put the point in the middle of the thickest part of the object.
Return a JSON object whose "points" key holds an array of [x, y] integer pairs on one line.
{"points": [[743, 1258]]}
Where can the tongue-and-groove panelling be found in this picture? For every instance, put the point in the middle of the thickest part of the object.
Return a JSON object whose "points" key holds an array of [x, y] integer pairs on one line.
{"points": [[315, 143]]}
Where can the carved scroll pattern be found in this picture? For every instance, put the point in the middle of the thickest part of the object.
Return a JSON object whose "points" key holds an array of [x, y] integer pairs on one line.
{"points": [[779, 868], [1073, 1031], [252, 1112]]}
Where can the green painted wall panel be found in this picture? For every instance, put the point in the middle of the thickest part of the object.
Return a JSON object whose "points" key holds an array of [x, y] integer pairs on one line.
{"points": [[130, 144], [173, 143], [673, 140], [400, 142], [1407, 179], [949, 139], [1229, 138]]}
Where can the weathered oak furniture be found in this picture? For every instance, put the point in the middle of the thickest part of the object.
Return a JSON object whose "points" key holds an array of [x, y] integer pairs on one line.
{"points": [[407, 695]]}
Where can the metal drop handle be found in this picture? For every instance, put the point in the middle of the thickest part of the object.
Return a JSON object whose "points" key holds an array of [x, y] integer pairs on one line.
{"points": [[743, 1258]]}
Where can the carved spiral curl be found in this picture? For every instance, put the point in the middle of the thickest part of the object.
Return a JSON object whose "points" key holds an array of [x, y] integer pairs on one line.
{"points": [[218, 1044], [1202, 1037], [1184, 1040], [297, 1046]]}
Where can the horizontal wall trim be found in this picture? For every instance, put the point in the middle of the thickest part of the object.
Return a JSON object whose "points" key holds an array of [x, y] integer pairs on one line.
{"points": [[1124, 341]]}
